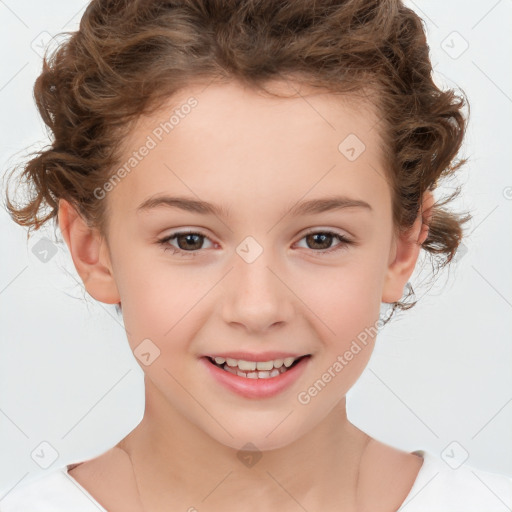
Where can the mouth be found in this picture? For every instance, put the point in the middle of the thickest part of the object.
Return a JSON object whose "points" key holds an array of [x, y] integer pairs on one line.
{"points": [[267, 375], [256, 369]]}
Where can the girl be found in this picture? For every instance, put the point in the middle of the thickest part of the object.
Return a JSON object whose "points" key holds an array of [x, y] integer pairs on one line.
{"points": [[249, 182]]}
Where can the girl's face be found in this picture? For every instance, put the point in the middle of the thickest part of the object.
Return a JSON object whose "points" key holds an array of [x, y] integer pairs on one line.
{"points": [[253, 175]]}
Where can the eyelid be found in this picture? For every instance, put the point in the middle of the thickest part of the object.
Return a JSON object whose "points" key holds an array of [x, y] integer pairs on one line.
{"points": [[313, 230], [182, 232], [343, 241]]}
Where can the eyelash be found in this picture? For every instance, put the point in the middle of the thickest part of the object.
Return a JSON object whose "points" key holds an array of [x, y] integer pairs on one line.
{"points": [[344, 242]]}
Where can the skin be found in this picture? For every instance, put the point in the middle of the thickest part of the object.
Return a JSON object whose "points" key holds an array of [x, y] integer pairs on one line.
{"points": [[256, 156]]}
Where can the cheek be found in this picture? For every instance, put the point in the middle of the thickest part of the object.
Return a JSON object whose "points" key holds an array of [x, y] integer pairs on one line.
{"points": [[166, 305], [344, 299], [344, 307], [153, 300]]}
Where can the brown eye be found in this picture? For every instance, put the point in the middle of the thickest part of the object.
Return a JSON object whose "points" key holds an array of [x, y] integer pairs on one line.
{"points": [[189, 241], [321, 241]]}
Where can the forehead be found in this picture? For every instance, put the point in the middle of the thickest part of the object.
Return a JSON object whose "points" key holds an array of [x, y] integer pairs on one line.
{"points": [[244, 140], [238, 110]]}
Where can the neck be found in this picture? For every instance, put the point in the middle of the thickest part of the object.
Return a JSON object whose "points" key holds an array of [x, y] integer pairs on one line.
{"points": [[178, 466]]}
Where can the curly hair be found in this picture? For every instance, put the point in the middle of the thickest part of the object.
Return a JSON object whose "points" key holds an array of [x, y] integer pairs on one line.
{"points": [[129, 56]]}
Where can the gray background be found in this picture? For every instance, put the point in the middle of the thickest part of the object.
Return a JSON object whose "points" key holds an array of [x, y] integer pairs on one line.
{"points": [[440, 376]]}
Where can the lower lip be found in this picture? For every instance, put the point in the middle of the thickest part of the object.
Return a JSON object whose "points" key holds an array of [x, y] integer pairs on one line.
{"points": [[256, 388]]}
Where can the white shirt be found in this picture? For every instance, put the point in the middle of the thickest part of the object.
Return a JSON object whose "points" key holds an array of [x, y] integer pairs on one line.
{"points": [[437, 488]]}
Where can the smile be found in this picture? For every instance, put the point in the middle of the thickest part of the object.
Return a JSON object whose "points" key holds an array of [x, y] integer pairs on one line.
{"points": [[255, 381], [255, 369]]}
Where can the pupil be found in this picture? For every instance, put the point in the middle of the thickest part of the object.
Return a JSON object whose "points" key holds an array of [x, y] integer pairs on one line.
{"points": [[323, 236], [187, 237]]}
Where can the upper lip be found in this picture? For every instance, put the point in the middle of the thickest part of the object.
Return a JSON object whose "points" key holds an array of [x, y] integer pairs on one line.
{"points": [[262, 356]]}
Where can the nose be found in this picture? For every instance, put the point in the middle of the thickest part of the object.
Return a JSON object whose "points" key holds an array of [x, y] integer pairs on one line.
{"points": [[256, 295]]}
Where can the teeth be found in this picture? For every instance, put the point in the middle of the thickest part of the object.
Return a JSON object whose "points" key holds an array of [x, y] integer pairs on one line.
{"points": [[230, 370], [256, 375], [247, 365], [289, 361], [255, 369], [268, 365], [250, 366]]}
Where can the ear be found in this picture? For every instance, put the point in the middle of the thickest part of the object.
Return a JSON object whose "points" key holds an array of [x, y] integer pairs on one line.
{"points": [[405, 251], [90, 255]]}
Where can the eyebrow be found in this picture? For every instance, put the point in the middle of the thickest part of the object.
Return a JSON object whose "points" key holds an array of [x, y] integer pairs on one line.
{"points": [[312, 206]]}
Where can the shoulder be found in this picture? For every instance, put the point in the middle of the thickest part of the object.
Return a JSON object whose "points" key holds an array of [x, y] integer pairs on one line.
{"points": [[386, 476], [53, 491], [100, 484], [444, 485], [392, 479], [110, 479], [111, 466]]}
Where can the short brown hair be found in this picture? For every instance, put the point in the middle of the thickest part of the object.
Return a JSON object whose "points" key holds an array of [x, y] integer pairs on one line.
{"points": [[129, 56]]}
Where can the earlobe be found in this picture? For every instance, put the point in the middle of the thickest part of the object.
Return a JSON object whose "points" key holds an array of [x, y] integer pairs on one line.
{"points": [[406, 247], [89, 253]]}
